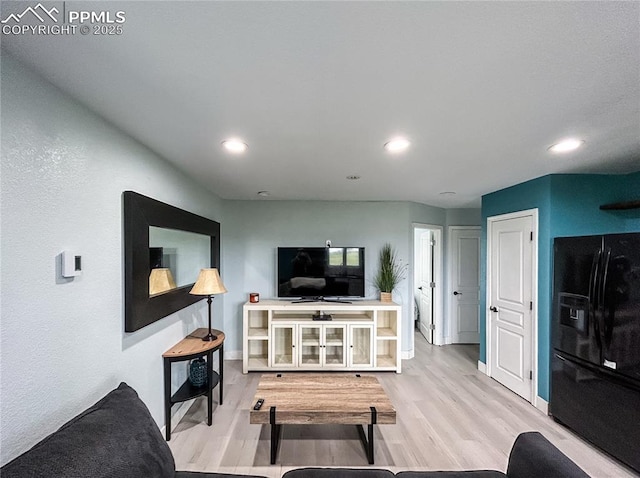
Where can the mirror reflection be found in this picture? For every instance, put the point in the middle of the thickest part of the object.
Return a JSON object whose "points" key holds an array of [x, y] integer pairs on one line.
{"points": [[175, 258]]}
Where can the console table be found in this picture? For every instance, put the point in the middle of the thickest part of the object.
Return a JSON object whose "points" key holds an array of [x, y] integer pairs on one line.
{"points": [[283, 335], [192, 346]]}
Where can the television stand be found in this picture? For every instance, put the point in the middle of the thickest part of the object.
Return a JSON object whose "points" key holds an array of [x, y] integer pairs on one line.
{"points": [[306, 300], [283, 336]]}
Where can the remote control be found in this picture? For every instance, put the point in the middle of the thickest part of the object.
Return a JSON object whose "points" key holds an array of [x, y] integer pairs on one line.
{"points": [[258, 404]]}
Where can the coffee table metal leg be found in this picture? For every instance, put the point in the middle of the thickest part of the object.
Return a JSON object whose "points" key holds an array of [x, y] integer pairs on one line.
{"points": [[367, 442], [275, 434]]}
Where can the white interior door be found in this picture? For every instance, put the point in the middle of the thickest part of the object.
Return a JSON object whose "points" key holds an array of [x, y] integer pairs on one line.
{"points": [[465, 285], [510, 303], [426, 284]]}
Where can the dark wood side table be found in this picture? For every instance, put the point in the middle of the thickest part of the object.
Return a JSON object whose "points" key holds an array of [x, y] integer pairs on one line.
{"points": [[192, 346]]}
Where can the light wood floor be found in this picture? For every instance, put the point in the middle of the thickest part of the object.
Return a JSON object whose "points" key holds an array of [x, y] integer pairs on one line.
{"points": [[449, 417]]}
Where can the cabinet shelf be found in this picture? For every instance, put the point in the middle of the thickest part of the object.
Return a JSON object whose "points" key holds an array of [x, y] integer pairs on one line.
{"points": [[311, 343], [385, 332], [386, 361], [255, 333], [258, 362]]}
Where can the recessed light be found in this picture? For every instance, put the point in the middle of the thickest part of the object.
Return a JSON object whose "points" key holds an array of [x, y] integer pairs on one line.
{"points": [[235, 145], [566, 145], [263, 194], [397, 145], [353, 178]]}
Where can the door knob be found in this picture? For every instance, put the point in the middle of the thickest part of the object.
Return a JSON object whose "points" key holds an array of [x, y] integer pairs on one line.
{"points": [[455, 292], [493, 309]]}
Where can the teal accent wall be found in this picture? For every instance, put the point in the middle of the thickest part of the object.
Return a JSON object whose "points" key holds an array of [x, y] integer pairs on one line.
{"points": [[568, 205], [534, 194], [631, 192]]}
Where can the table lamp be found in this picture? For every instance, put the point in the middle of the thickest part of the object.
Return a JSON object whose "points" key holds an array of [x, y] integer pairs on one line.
{"points": [[160, 280], [208, 283]]}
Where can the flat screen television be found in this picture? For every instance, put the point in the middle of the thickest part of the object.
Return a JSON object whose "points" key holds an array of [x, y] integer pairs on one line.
{"points": [[320, 272]]}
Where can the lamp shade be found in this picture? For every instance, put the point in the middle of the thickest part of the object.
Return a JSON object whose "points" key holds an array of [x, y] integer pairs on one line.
{"points": [[208, 283], [160, 280]]}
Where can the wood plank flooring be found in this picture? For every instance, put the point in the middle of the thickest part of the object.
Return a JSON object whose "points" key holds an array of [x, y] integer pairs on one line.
{"points": [[449, 417]]}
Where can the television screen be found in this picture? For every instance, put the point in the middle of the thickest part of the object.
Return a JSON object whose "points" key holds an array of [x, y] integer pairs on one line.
{"points": [[316, 272]]}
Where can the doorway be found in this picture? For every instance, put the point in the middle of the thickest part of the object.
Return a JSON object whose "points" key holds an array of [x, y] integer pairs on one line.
{"points": [[512, 276], [464, 285], [427, 282]]}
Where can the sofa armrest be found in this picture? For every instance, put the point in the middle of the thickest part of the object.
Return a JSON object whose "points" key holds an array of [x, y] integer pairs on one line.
{"points": [[115, 437], [533, 456]]}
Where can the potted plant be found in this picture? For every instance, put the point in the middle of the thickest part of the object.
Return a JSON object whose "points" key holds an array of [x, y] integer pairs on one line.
{"points": [[390, 272]]}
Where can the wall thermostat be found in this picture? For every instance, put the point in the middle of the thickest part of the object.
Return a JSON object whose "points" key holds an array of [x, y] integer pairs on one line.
{"points": [[71, 264]]}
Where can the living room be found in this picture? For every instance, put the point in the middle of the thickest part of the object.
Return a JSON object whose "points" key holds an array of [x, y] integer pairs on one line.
{"points": [[65, 167]]}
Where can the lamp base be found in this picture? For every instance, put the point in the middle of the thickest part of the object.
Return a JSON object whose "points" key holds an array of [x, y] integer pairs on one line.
{"points": [[210, 337]]}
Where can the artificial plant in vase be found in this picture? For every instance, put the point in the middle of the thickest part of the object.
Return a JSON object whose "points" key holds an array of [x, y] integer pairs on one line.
{"points": [[390, 272]]}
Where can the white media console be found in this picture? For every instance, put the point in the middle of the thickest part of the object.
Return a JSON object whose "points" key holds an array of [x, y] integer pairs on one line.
{"points": [[281, 335]]}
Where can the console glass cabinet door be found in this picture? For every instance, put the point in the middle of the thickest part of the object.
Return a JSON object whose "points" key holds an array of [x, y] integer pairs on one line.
{"points": [[334, 346], [283, 342], [310, 346], [322, 345], [361, 345]]}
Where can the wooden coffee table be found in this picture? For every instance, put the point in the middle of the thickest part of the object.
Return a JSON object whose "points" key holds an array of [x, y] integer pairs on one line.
{"points": [[322, 398]]}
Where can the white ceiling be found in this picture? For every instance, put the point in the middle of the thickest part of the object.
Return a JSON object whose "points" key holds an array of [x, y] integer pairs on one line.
{"points": [[482, 89]]}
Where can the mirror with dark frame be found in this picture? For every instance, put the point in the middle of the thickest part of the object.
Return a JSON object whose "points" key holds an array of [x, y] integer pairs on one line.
{"points": [[162, 243]]}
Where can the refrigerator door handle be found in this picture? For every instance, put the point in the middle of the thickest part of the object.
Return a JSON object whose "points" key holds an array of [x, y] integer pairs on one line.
{"points": [[605, 329], [594, 310], [593, 280], [603, 278]]}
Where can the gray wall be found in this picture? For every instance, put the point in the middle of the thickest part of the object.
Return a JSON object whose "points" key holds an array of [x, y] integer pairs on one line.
{"points": [[252, 231], [63, 344]]}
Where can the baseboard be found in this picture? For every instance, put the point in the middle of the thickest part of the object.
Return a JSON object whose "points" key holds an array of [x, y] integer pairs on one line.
{"points": [[542, 405], [233, 355], [407, 354], [482, 367]]}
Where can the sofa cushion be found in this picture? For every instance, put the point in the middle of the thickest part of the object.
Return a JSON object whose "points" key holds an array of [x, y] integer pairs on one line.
{"points": [[116, 437], [532, 456], [204, 474], [452, 474], [338, 473]]}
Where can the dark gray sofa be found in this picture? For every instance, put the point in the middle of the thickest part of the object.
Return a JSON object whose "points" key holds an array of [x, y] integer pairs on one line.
{"points": [[118, 438]]}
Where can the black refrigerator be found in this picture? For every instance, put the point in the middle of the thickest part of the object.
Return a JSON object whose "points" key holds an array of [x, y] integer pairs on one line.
{"points": [[595, 371]]}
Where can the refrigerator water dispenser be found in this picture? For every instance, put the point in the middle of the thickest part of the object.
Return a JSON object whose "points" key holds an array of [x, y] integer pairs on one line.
{"points": [[574, 311]]}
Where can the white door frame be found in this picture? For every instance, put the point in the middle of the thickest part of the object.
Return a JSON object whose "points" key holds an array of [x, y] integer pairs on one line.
{"points": [[537, 402], [438, 310], [449, 287]]}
